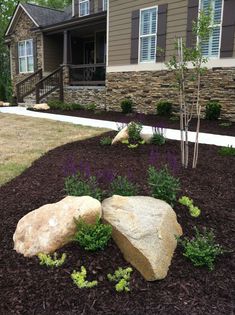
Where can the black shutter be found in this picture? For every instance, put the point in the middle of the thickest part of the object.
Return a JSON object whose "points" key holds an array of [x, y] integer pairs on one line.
{"points": [[100, 5], [35, 55], [92, 7], [193, 6], [228, 29], [161, 32], [135, 21], [16, 49]]}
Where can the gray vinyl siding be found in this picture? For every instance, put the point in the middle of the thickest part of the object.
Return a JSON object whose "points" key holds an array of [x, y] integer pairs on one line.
{"points": [[120, 13]]}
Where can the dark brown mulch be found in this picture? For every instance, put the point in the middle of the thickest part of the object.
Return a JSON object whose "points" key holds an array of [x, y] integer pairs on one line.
{"points": [[28, 288], [150, 120]]}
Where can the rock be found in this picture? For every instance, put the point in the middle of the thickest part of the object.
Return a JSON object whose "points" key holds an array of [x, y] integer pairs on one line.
{"points": [[51, 226], [42, 106], [144, 229], [6, 104], [1, 103], [121, 136]]}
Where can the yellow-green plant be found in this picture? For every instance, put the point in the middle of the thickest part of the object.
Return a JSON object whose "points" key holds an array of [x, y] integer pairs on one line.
{"points": [[52, 261], [122, 277], [193, 210], [79, 278]]}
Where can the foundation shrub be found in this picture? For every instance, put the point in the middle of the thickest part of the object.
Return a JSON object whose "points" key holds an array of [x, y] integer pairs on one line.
{"points": [[127, 106], [213, 109], [164, 108]]}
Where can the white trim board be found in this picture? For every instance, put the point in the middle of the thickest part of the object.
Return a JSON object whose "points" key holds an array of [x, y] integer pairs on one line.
{"points": [[20, 6], [212, 63]]}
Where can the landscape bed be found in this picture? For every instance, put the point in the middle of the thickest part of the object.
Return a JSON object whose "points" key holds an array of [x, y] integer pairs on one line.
{"points": [[28, 288], [209, 126]]}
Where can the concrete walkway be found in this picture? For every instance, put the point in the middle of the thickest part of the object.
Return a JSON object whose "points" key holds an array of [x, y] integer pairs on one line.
{"points": [[169, 133]]}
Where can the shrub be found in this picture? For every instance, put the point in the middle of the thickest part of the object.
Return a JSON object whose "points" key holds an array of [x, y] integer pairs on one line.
{"points": [[122, 277], [75, 106], [123, 187], [106, 141], [164, 108], [174, 118], [92, 237], [134, 130], [202, 249], [194, 211], [91, 107], [163, 185], [213, 109], [226, 124], [55, 104], [79, 278], [127, 106], [158, 139], [51, 261], [227, 151], [75, 185]]}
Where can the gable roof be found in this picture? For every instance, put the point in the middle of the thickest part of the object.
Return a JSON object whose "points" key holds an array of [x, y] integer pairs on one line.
{"points": [[41, 16]]}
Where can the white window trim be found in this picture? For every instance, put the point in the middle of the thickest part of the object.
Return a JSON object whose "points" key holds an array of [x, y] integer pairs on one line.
{"points": [[141, 36], [25, 56], [84, 1], [216, 25], [105, 8]]}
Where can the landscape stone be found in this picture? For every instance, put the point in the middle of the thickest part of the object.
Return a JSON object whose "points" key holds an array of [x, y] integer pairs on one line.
{"points": [[42, 106]]}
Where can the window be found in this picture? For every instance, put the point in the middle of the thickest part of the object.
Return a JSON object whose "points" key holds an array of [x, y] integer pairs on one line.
{"points": [[148, 35], [105, 5], [83, 7], [26, 60], [211, 46]]}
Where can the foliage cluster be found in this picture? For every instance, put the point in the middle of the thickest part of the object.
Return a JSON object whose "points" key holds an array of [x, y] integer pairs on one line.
{"points": [[49, 261], [193, 210], [227, 151], [127, 106], [106, 141], [76, 185], [123, 187], [92, 237], [134, 130], [162, 184], [164, 108], [91, 107], [122, 277], [158, 139], [202, 249], [213, 109], [79, 278], [57, 104]]}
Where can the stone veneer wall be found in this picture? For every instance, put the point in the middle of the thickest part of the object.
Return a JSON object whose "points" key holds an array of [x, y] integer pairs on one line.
{"points": [[146, 88], [85, 95], [23, 32]]}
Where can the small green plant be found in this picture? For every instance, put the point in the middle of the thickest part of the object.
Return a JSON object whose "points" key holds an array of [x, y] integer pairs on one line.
{"points": [[201, 249], [106, 141], [163, 185], [225, 124], [158, 139], [213, 109], [51, 261], [127, 106], [79, 278], [75, 185], [122, 277], [227, 151], [133, 146], [92, 237], [123, 187], [186, 201], [134, 130], [91, 107], [164, 108], [55, 104], [76, 106], [174, 118]]}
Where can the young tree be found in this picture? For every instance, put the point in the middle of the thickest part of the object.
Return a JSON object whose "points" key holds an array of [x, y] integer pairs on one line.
{"points": [[188, 68]]}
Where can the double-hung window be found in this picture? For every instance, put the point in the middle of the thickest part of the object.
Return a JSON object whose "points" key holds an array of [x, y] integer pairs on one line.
{"points": [[148, 35], [105, 5], [211, 45], [83, 7], [25, 52]]}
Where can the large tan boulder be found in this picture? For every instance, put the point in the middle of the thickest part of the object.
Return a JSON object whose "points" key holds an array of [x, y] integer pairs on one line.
{"points": [[121, 136], [42, 106], [144, 229], [1, 103], [51, 226]]}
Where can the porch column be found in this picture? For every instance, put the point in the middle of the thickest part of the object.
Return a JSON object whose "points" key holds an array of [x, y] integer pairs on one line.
{"points": [[67, 57]]}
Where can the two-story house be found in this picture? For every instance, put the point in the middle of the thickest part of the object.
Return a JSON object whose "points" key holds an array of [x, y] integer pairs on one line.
{"points": [[104, 51]]}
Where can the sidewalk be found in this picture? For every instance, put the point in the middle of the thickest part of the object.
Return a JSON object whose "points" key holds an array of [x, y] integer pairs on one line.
{"points": [[172, 134]]}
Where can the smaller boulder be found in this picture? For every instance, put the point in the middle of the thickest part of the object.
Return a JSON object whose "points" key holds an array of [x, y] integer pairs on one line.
{"points": [[42, 106], [1, 103], [121, 136]]}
